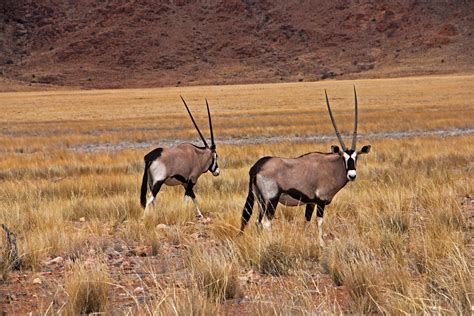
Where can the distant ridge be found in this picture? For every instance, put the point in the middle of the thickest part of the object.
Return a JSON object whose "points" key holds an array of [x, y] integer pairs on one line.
{"points": [[114, 44]]}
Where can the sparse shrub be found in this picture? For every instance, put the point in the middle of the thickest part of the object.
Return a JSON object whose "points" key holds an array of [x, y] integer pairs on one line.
{"points": [[87, 288], [362, 281], [5, 259], [184, 302], [276, 257], [215, 273], [333, 265], [397, 222]]}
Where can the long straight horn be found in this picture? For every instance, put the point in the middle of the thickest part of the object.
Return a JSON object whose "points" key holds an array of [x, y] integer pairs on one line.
{"points": [[213, 145], [354, 133], [334, 123], [195, 125]]}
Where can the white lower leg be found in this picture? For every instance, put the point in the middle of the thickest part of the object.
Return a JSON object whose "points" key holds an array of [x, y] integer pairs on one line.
{"points": [[306, 225], [266, 223], [198, 211], [149, 201], [320, 231]]}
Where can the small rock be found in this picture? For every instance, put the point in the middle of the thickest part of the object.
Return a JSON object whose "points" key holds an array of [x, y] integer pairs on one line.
{"points": [[57, 260], [139, 290], [37, 281], [140, 251], [82, 219], [162, 227]]}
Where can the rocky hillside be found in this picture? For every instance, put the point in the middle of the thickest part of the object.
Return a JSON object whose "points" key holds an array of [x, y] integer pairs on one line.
{"points": [[117, 43]]}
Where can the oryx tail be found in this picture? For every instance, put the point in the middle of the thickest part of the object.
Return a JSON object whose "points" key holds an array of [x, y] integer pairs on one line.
{"points": [[149, 158], [248, 207], [144, 186]]}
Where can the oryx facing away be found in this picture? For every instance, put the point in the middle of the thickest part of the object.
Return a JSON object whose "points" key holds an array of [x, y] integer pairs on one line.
{"points": [[179, 165], [312, 179]]}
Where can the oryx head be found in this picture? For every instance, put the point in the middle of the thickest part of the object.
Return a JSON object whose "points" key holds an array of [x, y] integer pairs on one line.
{"points": [[349, 155], [213, 168]]}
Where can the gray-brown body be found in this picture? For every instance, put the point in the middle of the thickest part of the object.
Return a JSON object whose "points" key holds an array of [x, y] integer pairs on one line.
{"points": [[312, 179], [307, 179], [179, 165]]}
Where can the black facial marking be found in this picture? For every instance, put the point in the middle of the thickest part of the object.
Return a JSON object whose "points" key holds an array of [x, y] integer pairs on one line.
{"points": [[350, 164], [213, 164]]}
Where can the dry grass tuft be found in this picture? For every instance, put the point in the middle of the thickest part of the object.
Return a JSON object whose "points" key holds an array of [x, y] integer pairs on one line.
{"points": [[362, 281], [276, 257], [216, 273], [5, 260], [87, 287], [183, 302], [398, 238]]}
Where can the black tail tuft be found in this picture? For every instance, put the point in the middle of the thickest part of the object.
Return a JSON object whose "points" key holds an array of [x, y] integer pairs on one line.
{"points": [[144, 185], [149, 158], [248, 207]]}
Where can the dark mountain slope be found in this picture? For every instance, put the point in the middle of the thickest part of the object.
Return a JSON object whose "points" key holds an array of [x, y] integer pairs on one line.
{"points": [[153, 43]]}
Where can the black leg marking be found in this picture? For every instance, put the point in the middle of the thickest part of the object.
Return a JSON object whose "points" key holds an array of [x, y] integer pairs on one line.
{"points": [[189, 190], [309, 211], [320, 211], [156, 188], [270, 207]]}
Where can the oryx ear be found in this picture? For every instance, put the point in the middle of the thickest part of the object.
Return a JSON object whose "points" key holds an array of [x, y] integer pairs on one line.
{"points": [[364, 150], [335, 149]]}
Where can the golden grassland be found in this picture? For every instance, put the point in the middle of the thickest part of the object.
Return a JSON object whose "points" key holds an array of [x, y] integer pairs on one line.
{"points": [[398, 239], [35, 121]]}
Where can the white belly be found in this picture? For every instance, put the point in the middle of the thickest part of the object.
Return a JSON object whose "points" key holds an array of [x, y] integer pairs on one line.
{"points": [[287, 200]]}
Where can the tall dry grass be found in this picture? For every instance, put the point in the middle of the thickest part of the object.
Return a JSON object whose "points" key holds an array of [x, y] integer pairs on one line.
{"points": [[87, 287], [397, 239]]}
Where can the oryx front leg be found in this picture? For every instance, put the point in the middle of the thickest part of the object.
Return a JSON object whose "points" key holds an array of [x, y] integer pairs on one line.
{"points": [[189, 192], [308, 214], [320, 214]]}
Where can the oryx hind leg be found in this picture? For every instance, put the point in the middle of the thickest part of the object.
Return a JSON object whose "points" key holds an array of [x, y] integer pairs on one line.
{"points": [[320, 214], [308, 214], [152, 198], [267, 212], [189, 192], [268, 196]]}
